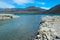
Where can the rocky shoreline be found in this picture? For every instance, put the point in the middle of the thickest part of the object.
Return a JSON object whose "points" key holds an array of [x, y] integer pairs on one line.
{"points": [[7, 16], [49, 28]]}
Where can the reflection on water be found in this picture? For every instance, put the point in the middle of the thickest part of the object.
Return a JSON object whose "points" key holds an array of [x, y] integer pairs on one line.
{"points": [[23, 28]]}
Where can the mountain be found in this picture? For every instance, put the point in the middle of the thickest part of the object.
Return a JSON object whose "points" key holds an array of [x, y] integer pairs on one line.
{"points": [[31, 9], [54, 10]]}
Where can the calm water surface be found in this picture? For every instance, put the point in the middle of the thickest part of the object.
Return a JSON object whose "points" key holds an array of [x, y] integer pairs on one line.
{"points": [[23, 28]]}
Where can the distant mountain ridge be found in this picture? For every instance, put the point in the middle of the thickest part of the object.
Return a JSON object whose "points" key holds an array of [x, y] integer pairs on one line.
{"points": [[31, 9], [54, 10]]}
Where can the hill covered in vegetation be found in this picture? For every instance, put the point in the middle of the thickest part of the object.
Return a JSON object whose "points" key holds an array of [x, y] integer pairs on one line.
{"points": [[54, 10]]}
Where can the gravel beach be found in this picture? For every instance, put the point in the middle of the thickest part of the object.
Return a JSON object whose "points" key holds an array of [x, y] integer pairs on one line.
{"points": [[49, 28]]}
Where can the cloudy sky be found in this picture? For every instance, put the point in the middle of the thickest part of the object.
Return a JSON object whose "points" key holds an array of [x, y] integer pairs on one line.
{"points": [[46, 4]]}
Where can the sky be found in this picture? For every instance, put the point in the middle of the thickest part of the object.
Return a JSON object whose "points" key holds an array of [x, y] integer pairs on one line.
{"points": [[45, 4]]}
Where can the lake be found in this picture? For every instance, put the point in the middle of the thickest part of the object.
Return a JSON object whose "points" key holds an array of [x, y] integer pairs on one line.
{"points": [[23, 28]]}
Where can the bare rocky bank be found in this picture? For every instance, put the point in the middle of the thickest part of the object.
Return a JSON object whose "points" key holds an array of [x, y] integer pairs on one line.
{"points": [[49, 28], [7, 16]]}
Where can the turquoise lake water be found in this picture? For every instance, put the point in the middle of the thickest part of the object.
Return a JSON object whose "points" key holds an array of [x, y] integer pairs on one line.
{"points": [[23, 28]]}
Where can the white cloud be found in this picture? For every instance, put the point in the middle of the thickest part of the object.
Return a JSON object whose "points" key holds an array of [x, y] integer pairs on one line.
{"points": [[5, 5], [22, 2], [45, 8], [43, 3]]}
